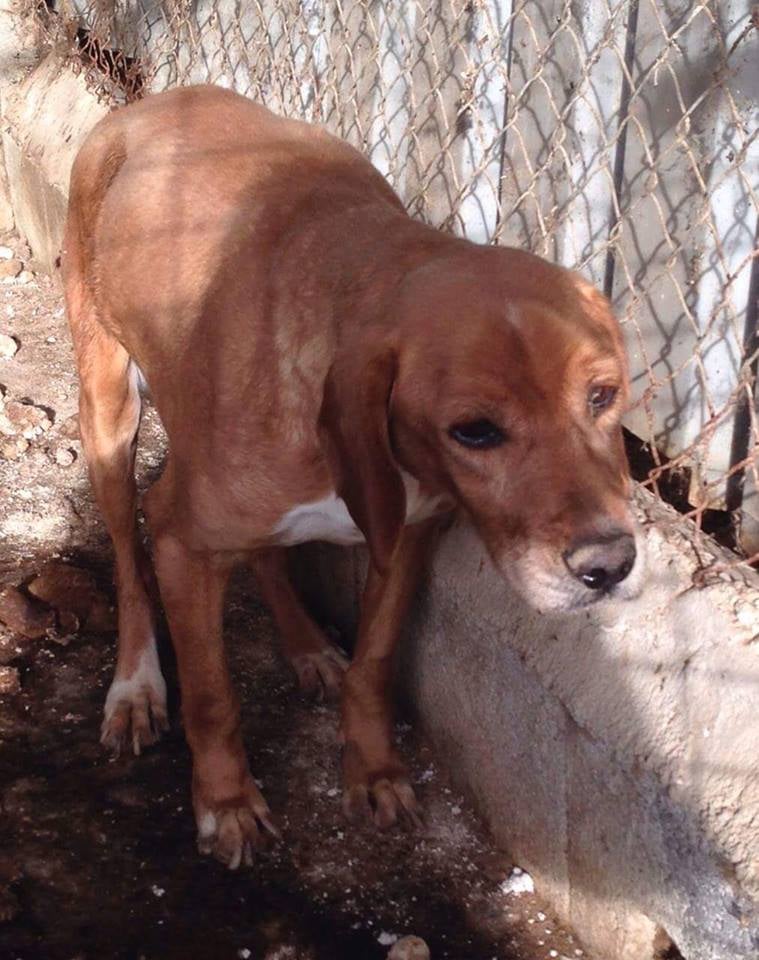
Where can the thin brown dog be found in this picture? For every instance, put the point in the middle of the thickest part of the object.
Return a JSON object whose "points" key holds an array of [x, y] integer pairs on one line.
{"points": [[326, 368]]}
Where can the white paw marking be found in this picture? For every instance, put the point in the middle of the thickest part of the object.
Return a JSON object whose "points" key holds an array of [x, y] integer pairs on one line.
{"points": [[207, 825], [147, 676]]}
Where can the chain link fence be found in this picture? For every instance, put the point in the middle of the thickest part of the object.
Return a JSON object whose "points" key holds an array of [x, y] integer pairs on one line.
{"points": [[618, 137]]}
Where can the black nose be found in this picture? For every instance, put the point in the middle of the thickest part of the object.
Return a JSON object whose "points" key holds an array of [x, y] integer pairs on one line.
{"points": [[602, 562]]}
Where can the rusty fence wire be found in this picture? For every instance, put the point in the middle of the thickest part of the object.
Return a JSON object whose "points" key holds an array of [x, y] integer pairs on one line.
{"points": [[618, 137]]}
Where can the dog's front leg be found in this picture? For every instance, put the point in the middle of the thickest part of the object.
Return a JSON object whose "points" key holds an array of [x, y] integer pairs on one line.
{"points": [[376, 784], [231, 813]]}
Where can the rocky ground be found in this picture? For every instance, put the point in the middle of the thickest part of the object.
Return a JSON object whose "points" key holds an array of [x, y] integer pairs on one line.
{"points": [[97, 856]]}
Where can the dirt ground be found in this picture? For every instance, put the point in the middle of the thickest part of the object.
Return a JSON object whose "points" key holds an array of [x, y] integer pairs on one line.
{"points": [[97, 856]]}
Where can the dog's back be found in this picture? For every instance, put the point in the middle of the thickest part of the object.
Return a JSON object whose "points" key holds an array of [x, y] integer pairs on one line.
{"points": [[202, 225], [164, 194]]}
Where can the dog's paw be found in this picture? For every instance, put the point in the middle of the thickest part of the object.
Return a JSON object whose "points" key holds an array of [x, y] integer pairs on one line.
{"points": [[381, 795], [135, 713], [232, 830], [320, 674]]}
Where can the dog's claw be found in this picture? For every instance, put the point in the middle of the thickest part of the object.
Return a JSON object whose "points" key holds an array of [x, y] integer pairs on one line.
{"points": [[234, 830], [135, 710], [356, 806], [411, 806], [269, 825], [385, 803], [382, 796], [139, 719]]}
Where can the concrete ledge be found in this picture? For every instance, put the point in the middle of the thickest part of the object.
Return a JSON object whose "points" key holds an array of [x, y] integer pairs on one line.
{"points": [[18, 54], [46, 118], [616, 754]]}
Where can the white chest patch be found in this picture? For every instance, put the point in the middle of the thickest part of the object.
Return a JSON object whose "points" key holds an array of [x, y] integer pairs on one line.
{"points": [[328, 519]]}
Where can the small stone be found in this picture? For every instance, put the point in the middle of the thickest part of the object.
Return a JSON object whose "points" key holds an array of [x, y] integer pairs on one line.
{"points": [[10, 682], [24, 419], [71, 590], [6, 253], [14, 448], [64, 457], [747, 615], [64, 586], [518, 882], [22, 615], [409, 948], [26, 276], [70, 427], [10, 268], [8, 346]]}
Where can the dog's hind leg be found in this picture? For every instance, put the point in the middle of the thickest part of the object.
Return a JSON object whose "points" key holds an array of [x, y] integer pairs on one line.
{"points": [[109, 416], [318, 664]]}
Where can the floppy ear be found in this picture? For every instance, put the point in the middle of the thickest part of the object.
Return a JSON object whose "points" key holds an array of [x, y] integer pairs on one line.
{"points": [[353, 424], [598, 306]]}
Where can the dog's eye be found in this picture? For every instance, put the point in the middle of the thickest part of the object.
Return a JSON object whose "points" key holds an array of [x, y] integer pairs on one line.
{"points": [[477, 434], [601, 397]]}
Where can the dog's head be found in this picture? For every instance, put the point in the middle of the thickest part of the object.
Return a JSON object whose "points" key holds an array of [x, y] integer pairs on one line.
{"points": [[500, 385]]}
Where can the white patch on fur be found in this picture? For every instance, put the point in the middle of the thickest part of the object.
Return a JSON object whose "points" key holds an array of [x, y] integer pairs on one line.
{"points": [[138, 378], [147, 676], [328, 519], [207, 824]]}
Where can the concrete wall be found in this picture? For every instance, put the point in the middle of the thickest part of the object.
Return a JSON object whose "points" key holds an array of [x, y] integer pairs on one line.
{"points": [[614, 754], [17, 54], [46, 117]]}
